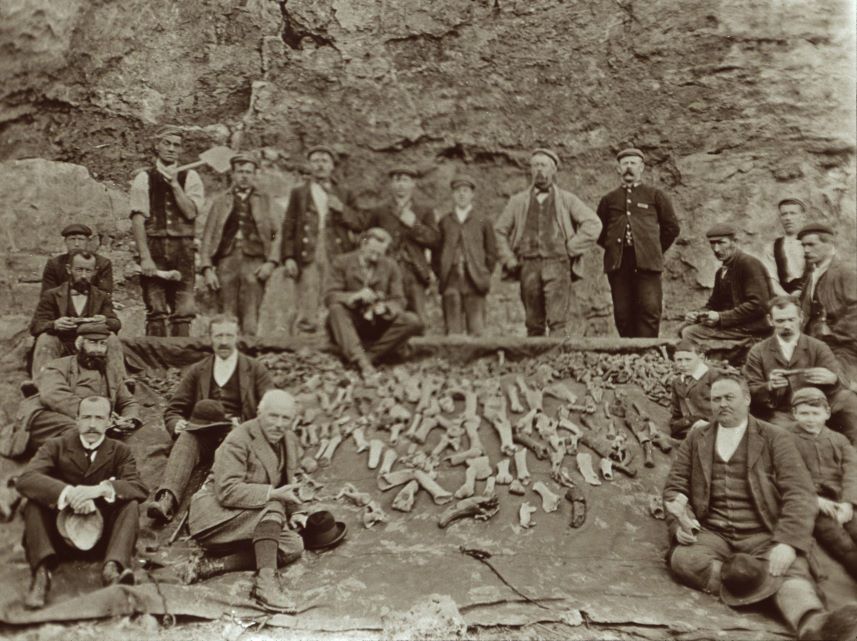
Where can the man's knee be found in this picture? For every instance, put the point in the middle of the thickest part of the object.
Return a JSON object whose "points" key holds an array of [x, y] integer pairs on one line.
{"points": [[691, 565], [290, 547], [411, 322]]}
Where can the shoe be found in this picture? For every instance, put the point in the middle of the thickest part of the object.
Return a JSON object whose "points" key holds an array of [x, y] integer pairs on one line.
{"points": [[162, 509], [28, 388], [199, 568], [838, 625], [269, 594], [39, 586], [115, 574]]}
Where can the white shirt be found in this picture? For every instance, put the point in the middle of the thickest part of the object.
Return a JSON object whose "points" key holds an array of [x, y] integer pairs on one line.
{"points": [[818, 272], [699, 372], [462, 214], [541, 196], [78, 300], [795, 262], [787, 348], [92, 452], [224, 368], [319, 197], [728, 439], [139, 196]]}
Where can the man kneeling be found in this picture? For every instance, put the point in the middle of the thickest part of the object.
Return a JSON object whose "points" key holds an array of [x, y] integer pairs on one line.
{"points": [[82, 488]]}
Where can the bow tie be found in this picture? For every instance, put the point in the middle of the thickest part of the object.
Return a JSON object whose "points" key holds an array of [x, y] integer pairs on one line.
{"points": [[541, 190]]}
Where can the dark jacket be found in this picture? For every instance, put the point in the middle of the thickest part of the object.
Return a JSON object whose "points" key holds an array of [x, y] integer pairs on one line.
{"points": [[831, 461], [346, 275], [409, 243], [299, 233], [63, 461], [780, 485], [253, 379], [741, 295], [836, 294], [478, 244], [690, 402], [654, 226], [210, 250], [55, 303], [55, 273]]}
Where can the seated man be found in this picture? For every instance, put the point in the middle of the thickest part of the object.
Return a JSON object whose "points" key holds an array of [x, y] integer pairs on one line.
{"points": [[79, 473], [77, 237], [62, 308], [246, 506], [236, 381], [735, 311], [62, 384], [365, 301], [787, 361], [691, 390], [748, 490], [832, 464]]}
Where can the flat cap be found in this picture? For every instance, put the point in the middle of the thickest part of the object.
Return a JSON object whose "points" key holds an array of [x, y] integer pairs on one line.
{"points": [[808, 395], [815, 228], [550, 153], [721, 230], [324, 149], [93, 330], [238, 159], [792, 200], [76, 229], [685, 345], [630, 151], [462, 179], [169, 130], [403, 170]]}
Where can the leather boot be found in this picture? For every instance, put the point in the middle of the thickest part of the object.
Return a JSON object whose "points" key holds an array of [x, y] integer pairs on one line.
{"points": [[269, 594], [163, 508], [202, 567], [113, 574], [838, 625], [180, 328], [156, 328], [39, 586]]}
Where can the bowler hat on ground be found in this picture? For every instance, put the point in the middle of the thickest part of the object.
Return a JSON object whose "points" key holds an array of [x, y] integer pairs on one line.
{"points": [[81, 531], [722, 230], [94, 330], [76, 229], [322, 531], [745, 579], [207, 414], [815, 228]]}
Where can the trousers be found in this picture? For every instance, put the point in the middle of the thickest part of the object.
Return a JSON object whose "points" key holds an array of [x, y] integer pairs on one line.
{"points": [[241, 291], [546, 295], [356, 337], [190, 450], [415, 293], [637, 298], [463, 306], [838, 540], [170, 300]]}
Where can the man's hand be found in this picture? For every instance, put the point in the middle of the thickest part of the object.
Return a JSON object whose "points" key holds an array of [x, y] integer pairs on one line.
{"points": [[211, 279], [148, 267], [844, 512], [699, 423], [98, 318], [80, 497], [827, 507], [366, 295], [820, 376], [64, 324], [777, 380], [511, 265], [180, 426], [408, 217], [291, 268], [285, 495], [710, 319], [333, 202], [298, 521], [780, 559], [691, 317], [684, 537], [265, 270], [87, 507]]}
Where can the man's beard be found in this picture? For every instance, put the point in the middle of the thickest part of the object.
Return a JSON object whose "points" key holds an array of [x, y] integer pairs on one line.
{"points": [[81, 286], [92, 361]]}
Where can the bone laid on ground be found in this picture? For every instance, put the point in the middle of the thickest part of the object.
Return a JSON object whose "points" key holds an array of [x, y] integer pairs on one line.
{"points": [[394, 479], [387, 462], [479, 507], [504, 431], [329, 451], [514, 402], [438, 494], [550, 501], [490, 483], [468, 488], [404, 501], [481, 466], [504, 476], [584, 464], [606, 466], [521, 471], [525, 514], [373, 514], [376, 446], [359, 436]]}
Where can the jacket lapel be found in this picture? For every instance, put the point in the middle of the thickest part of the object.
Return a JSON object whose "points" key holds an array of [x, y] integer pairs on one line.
{"points": [[801, 347], [205, 377], [776, 352], [102, 457], [244, 385], [705, 451], [755, 443], [255, 211], [265, 453], [77, 455], [63, 299]]}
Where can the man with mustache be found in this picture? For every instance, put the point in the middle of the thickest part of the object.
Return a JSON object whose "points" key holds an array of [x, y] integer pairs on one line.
{"points": [[61, 385], [784, 257], [638, 227], [77, 236], [735, 311], [779, 366], [542, 235]]}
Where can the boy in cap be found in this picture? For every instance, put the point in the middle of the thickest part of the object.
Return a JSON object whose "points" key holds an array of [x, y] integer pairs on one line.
{"points": [[239, 250], [77, 236], [465, 261], [690, 405], [164, 205], [638, 226], [832, 463], [784, 257], [542, 235]]}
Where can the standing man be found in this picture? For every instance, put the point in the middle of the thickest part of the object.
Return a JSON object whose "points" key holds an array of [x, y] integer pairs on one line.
{"points": [[164, 206], [413, 230], [465, 261], [239, 250], [77, 237], [542, 235], [317, 227], [784, 257], [638, 226], [735, 310], [829, 298]]}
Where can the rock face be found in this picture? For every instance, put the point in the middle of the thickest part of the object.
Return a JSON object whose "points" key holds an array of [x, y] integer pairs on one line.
{"points": [[736, 103]]}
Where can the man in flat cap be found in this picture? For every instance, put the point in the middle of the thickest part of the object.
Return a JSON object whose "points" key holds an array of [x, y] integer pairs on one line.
{"points": [[81, 475], [542, 235], [61, 385], [735, 311], [784, 257], [164, 206], [77, 236], [829, 297], [320, 220], [638, 226], [465, 260], [239, 249], [413, 229]]}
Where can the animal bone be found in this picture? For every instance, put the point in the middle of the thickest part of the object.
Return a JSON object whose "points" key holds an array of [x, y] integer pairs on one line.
{"points": [[395, 430], [561, 392], [514, 401], [312, 434], [557, 457], [329, 451], [471, 404], [525, 515], [398, 413], [550, 501], [411, 389], [606, 466], [604, 448], [490, 484], [678, 507], [504, 431], [445, 441], [482, 466], [360, 441], [504, 477], [539, 450], [534, 397], [351, 493], [426, 392], [394, 479], [324, 431], [389, 459], [525, 423], [460, 457], [404, 501], [563, 477], [322, 447], [415, 423], [523, 474], [447, 404], [584, 464], [439, 494], [471, 427], [373, 514], [427, 425], [468, 488], [545, 425], [376, 446], [481, 508], [494, 408], [517, 488]]}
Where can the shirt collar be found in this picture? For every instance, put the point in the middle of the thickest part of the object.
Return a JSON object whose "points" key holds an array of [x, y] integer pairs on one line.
{"points": [[461, 213], [91, 447], [230, 360], [823, 265], [160, 165], [790, 343], [549, 189], [738, 428], [242, 193], [631, 186], [699, 372]]}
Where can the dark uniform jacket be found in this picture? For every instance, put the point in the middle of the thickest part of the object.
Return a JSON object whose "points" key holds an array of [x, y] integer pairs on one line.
{"points": [[836, 294], [741, 293], [211, 248], [690, 402], [478, 247], [56, 303], [409, 243], [347, 275], [55, 273], [653, 222]]}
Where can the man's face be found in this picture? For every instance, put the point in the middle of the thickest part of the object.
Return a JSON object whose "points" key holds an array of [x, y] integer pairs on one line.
{"points": [[93, 419], [462, 196], [723, 247], [94, 352], [276, 416], [630, 168], [168, 149], [810, 417], [224, 338], [815, 250], [686, 362], [243, 174], [76, 241], [81, 271], [542, 170], [791, 218], [321, 165], [786, 321], [402, 186], [729, 403], [374, 248]]}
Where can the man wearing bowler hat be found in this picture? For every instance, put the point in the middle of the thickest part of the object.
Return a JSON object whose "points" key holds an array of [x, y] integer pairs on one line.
{"points": [[784, 256], [77, 237], [542, 235], [320, 219], [465, 260], [638, 227], [735, 311], [164, 205], [239, 250], [83, 490]]}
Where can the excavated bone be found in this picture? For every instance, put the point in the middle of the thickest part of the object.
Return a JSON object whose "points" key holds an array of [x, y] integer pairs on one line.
{"points": [[351, 493], [544, 375], [426, 426], [606, 467], [563, 477], [514, 401], [517, 488], [504, 477], [584, 464], [678, 507], [404, 501], [460, 457], [398, 414], [482, 466], [571, 443], [550, 501], [504, 431], [322, 447], [524, 425], [525, 515], [481, 508], [395, 431], [387, 462], [373, 514], [490, 484], [324, 431], [557, 457], [431, 486], [304, 437], [394, 479], [411, 388], [376, 446], [493, 407], [561, 392], [534, 397], [444, 442], [329, 451], [471, 427], [359, 436], [308, 488], [415, 423], [447, 404], [545, 425], [471, 404], [468, 488], [426, 392], [539, 450], [432, 410], [312, 434], [521, 471], [308, 464]]}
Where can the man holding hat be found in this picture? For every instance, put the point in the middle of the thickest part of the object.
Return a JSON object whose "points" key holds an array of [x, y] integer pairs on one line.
{"points": [[829, 297], [77, 237], [638, 226], [542, 235], [239, 250], [83, 490], [318, 225], [735, 310], [465, 260], [413, 230], [164, 205], [784, 257]]}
